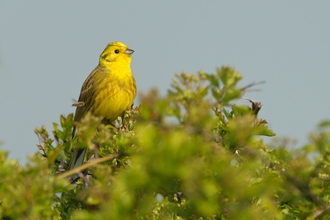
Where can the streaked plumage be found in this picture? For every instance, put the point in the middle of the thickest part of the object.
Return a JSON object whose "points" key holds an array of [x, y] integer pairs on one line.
{"points": [[108, 91]]}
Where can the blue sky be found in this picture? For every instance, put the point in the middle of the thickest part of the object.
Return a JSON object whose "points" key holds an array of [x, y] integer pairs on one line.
{"points": [[47, 49]]}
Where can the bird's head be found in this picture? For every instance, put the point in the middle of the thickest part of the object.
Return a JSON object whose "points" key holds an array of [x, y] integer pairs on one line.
{"points": [[116, 52]]}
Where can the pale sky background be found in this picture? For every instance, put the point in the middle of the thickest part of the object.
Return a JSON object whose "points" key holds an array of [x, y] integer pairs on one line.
{"points": [[48, 48]]}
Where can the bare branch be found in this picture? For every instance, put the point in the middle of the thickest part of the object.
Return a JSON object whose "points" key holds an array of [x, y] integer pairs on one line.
{"points": [[87, 165]]}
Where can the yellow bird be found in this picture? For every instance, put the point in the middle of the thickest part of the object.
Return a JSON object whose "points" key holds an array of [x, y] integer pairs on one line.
{"points": [[108, 91]]}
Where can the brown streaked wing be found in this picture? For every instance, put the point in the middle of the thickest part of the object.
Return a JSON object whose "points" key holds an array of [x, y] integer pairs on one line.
{"points": [[86, 95]]}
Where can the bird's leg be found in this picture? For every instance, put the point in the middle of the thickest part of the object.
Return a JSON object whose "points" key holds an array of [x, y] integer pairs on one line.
{"points": [[123, 126], [108, 122], [113, 125]]}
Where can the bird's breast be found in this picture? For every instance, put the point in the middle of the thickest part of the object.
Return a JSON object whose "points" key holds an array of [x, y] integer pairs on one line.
{"points": [[114, 96]]}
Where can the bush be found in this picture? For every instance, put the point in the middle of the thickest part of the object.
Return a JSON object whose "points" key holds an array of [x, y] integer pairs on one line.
{"points": [[192, 154]]}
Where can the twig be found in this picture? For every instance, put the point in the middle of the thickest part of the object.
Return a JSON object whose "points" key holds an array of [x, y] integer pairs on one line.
{"points": [[303, 188], [256, 106], [321, 212], [85, 166], [253, 84]]}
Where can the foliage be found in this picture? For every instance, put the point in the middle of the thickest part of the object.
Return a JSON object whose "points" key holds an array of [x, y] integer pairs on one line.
{"points": [[192, 154]]}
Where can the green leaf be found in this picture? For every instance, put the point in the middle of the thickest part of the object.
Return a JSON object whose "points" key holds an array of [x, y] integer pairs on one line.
{"points": [[229, 76]]}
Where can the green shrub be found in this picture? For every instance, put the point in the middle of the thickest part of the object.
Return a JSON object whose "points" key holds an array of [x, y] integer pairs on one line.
{"points": [[192, 154]]}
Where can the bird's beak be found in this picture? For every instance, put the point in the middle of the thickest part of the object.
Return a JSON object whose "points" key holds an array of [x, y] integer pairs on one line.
{"points": [[129, 51]]}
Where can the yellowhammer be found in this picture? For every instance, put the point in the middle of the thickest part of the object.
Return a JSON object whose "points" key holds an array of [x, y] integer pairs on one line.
{"points": [[108, 91]]}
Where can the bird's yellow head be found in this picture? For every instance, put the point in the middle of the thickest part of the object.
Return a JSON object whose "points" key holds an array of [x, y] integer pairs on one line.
{"points": [[116, 51]]}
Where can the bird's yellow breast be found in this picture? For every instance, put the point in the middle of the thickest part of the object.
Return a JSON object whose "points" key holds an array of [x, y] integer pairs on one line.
{"points": [[114, 94]]}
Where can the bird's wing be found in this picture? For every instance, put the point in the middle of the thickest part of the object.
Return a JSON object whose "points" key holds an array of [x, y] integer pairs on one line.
{"points": [[86, 98]]}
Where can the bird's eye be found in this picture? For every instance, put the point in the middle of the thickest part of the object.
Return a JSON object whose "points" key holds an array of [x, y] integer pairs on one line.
{"points": [[116, 51]]}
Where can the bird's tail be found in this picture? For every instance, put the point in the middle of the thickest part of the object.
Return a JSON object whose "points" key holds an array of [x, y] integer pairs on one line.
{"points": [[77, 159]]}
